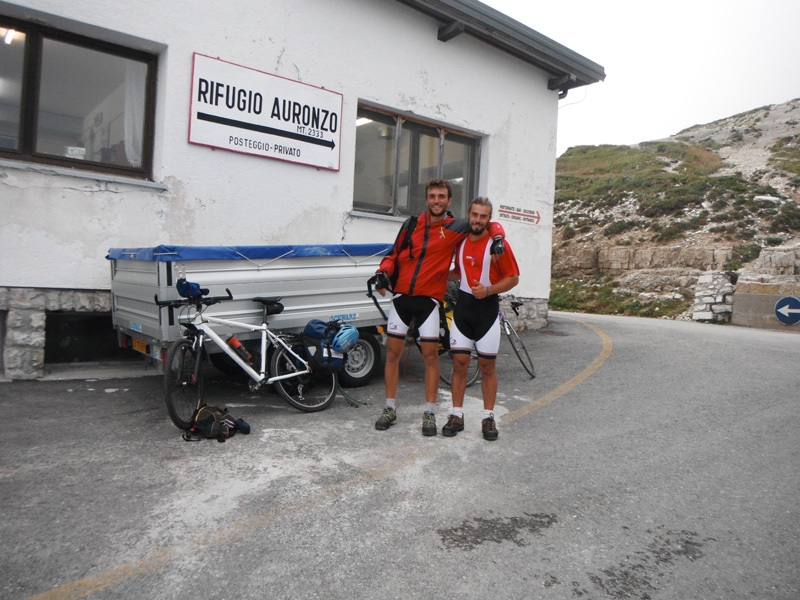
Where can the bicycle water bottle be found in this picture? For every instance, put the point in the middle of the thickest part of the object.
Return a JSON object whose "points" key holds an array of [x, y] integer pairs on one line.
{"points": [[237, 346]]}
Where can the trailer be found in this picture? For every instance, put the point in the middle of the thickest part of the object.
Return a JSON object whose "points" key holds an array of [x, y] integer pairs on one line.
{"points": [[327, 282]]}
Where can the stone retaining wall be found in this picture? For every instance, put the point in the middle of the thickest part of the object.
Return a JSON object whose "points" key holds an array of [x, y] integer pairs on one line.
{"points": [[615, 260], [713, 298], [780, 260], [24, 312], [757, 297], [775, 274], [532, 313]]}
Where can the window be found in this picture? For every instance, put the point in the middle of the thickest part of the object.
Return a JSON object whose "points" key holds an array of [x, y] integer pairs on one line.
{"points": [[395, 158], [70, 101]]}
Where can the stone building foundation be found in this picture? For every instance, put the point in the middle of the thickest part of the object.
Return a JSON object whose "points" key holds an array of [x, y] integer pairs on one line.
{"points": [[23, 314]]}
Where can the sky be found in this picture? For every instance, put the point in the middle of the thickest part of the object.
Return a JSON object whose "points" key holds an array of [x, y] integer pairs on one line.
{"points": [[669, 65]]}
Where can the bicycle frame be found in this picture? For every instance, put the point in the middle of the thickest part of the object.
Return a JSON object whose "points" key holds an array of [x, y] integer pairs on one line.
{"points": [[514, 306], [513, 337], [307, 391], [503, 320], [202, 323]]}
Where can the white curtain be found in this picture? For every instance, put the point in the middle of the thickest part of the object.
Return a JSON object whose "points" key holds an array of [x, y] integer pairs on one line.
{"points": [[135, 93]]}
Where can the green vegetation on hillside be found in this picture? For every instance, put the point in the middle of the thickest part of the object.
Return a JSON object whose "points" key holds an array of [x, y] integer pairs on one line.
{"points": [[600, 295], [662, 190], [665, 176], [786, 155]]}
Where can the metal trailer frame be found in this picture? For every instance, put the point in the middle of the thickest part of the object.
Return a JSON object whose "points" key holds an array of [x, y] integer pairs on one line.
{"points": [[326, 282]]}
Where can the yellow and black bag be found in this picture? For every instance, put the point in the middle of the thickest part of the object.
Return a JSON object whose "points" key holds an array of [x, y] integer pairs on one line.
{"points": [[211, 422]]}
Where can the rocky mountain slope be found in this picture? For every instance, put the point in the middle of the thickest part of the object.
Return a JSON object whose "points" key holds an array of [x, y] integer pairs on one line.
{"points": [[654, 216]]}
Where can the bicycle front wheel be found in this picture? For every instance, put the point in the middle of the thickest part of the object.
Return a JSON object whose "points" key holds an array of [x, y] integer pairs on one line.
{"points": [[519, 348], [183, 387], [446, 368], [310, 392]]}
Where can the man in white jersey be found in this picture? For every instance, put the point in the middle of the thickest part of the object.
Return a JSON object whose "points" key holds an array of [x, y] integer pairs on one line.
{"points": [[475, 318]]}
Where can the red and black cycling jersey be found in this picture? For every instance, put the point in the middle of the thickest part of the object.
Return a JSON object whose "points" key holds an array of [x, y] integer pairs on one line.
{"points": [[422, 264]]}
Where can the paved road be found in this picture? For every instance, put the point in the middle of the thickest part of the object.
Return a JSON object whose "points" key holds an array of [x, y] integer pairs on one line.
{"points": [[648, 460]]}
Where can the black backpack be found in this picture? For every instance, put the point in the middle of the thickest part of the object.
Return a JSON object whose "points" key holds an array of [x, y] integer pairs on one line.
{"points": [[406, 231], [211, 422]]}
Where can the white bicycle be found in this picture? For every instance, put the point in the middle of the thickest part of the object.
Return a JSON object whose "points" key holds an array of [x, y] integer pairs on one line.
{"points": [[289, 370]]}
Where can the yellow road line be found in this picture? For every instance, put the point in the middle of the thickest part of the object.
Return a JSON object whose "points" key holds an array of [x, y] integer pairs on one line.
{"points": [[605, 352], [94, 583]]}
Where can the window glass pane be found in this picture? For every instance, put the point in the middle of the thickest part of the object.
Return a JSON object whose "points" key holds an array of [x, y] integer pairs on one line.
{"points": [[391, 174], [457, 169], [428, 168], [404, 168], [12, 59], [91, 105], [423, 164], [374, 166]]}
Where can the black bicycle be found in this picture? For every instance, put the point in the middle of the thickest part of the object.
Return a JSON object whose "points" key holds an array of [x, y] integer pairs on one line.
{"points": [[513, 337], [445, 355]]}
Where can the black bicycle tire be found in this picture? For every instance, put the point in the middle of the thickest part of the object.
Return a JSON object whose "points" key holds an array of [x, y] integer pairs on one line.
{"points": [[446, 368], [294, 389], [183, 388], [519, 349]]}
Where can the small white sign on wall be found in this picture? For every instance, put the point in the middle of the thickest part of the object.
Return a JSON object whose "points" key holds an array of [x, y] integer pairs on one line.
{"points": [[518, 214], [244, 110]]}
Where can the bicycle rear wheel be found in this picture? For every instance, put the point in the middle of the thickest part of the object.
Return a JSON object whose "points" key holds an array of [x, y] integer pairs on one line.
{"points": [[445, 356], [446, 368], [310, 392], [183, 388], [519, 348]]}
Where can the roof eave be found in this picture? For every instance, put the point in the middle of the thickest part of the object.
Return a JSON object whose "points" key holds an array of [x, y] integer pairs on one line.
{"points": [[567, 69]]}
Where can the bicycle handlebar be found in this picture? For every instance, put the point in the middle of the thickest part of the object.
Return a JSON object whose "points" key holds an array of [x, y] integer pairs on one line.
{"points": [[515, 304], [196, 301], [370, 282]]}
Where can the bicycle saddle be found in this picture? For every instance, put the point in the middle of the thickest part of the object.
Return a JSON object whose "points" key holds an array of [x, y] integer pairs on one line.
{"points": [[272, 305]]}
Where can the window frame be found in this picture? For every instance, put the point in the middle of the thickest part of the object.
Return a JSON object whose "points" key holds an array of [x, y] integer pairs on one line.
{"points": [[35, 35], [416, 128]]}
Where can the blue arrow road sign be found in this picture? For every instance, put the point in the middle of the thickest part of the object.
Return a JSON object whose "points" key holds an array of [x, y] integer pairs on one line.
{"points": [[788, 310]]}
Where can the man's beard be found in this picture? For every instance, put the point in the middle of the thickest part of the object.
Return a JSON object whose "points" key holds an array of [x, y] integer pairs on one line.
{"points": [[477, 229]]}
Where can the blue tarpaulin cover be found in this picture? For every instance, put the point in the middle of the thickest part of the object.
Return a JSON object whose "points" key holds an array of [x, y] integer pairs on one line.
{"points": [[173, 253]]}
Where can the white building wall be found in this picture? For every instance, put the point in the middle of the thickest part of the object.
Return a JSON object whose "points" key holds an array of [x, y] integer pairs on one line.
{"points": [[56, 229]]}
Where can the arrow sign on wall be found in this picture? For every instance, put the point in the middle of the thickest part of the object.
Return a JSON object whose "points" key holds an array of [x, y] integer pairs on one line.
{"points": [[787, 310], [251, 112], [264, 129]]}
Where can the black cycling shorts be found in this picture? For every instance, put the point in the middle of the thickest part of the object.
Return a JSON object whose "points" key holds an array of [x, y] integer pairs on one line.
{"points": [[420, 310], [474, 318]]}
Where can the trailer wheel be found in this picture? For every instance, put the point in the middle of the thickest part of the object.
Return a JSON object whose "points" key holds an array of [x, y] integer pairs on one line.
{"points": [[363, 361], [223, 363]]}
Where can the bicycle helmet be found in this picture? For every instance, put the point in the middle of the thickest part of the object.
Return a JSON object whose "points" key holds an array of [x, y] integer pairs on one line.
{"points": [[345, 339]]}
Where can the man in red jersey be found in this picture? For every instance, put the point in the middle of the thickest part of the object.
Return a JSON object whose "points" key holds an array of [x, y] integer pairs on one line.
{"points": [[475, 318], [419, 263]]}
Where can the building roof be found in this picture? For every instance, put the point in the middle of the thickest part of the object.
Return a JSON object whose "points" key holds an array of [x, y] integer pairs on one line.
{"points": [[567, 69]]}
